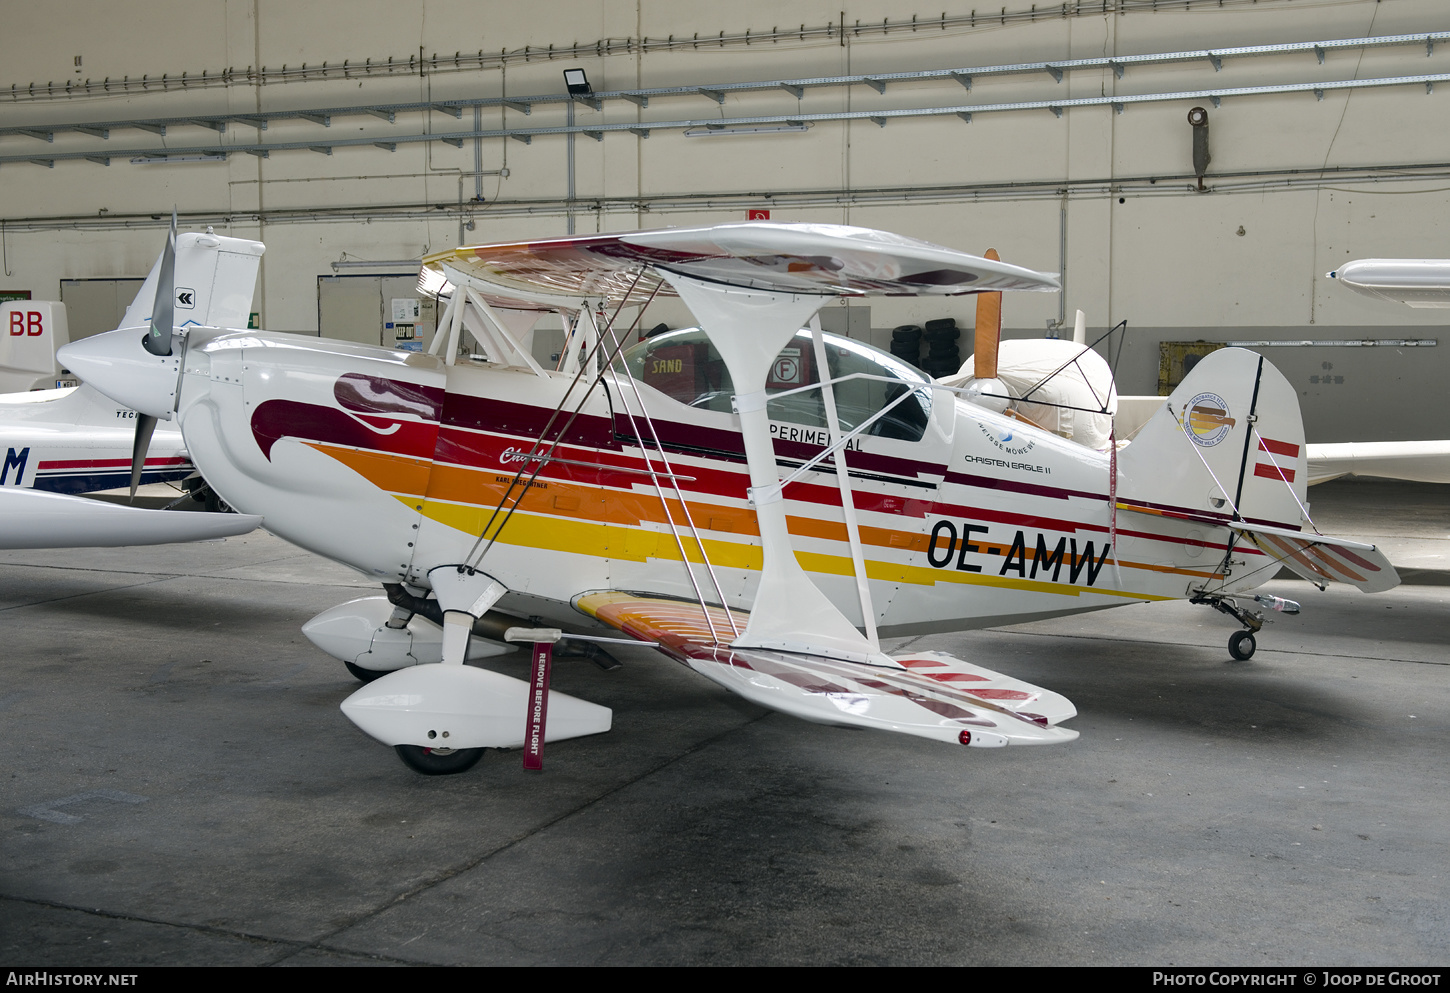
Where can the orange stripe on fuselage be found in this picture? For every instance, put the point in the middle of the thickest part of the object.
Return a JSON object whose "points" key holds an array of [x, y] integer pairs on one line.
{"points": [[484, 489], [392, 473]]}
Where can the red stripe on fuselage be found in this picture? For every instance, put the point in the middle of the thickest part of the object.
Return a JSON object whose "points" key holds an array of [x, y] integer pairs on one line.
{"points": [[108, 463]]}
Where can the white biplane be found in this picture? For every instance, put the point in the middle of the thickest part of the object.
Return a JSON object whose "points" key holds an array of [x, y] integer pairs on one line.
{"points": [[760, 500]]}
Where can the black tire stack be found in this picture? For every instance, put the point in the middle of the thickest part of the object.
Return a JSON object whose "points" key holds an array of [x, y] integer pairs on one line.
{"points": [[906, 343], [942, 356]]}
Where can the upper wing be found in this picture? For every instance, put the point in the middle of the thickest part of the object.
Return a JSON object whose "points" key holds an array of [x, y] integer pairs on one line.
{"points": [[929, 694], [38, 519], [1416, 282], [765, 255]]}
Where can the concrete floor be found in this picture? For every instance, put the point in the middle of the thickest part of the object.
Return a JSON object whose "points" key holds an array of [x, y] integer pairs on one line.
{"points": [[182, 788]]}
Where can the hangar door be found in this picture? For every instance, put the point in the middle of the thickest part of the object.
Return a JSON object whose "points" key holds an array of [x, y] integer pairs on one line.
{"points": [[96, 305], [382, 310]]}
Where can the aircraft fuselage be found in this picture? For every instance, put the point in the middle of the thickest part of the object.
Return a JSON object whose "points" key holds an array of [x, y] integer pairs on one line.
{"points": [[394, 463]]}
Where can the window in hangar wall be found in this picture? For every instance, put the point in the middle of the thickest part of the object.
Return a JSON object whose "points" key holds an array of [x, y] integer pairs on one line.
{"points": [[371, 309]]}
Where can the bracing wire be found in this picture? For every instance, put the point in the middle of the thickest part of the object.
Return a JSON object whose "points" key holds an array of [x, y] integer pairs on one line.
{"points": [[474, 554], [684, 506]]}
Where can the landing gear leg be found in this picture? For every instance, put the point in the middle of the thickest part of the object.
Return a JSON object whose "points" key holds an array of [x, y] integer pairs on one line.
{"points": [[1241, 644]]}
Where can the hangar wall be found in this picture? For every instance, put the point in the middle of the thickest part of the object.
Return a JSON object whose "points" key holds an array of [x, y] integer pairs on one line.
{"points": [[1298, 181]]}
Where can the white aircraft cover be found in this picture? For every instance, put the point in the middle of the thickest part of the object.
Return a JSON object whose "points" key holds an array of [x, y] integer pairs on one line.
{"points": [[38, 519], [1417, 461], [1416, 282], [1085, 382]]}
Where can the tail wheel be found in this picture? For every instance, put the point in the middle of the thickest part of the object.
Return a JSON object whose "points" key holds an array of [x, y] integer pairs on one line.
{"points": [[1241, 645], [438, 761]]}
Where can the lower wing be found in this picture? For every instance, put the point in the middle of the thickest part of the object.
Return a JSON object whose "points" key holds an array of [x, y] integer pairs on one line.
{"points": [[928, 694]]}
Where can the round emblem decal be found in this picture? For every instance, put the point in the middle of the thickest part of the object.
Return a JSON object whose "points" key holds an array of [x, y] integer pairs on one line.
{"points": [[1207, 419], [1007, 440]]}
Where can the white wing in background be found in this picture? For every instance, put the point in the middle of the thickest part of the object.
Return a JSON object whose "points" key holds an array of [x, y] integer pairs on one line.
{"points": [[37, 519]]}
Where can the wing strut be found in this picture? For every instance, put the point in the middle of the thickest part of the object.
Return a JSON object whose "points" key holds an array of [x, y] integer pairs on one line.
{"points": [[843, 479], [749, 328]]}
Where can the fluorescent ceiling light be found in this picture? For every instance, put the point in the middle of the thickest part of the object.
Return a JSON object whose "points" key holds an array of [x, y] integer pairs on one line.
{"points": [[708, 131], [165, 159], [383, 264]]}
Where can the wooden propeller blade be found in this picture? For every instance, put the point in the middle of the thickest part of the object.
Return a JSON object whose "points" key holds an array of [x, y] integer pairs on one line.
{"points": [[989, 329]]}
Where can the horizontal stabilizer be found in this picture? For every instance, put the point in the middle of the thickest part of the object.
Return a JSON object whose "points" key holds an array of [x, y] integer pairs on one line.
{"points": [[1324, 560], [928, 694], [40, 519]]}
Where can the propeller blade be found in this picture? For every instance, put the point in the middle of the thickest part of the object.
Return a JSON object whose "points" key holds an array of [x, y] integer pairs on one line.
{"points": [[145, 426], [158, 339], [989, 329]]}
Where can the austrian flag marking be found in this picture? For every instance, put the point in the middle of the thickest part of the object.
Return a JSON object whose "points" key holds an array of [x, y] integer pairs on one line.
{"points": [[1276, 460]]}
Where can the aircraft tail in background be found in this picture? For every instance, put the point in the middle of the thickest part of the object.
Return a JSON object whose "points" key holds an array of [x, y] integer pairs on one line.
{"points": [[30, 332], [213, 282]]}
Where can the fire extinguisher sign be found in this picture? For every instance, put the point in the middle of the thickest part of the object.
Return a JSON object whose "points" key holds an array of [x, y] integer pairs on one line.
{"points": [[759, 215]]}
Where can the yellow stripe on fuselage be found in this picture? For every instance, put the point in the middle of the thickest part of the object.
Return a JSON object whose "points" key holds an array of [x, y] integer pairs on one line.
{"points": [[407, 478], [562, 534]]}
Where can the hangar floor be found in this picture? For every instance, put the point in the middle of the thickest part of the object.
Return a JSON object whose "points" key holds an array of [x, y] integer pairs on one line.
{"points": [[182, 789]]}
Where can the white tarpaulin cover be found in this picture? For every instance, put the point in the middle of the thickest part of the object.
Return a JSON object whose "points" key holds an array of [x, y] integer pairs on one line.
{"points": [[1084, 382]]}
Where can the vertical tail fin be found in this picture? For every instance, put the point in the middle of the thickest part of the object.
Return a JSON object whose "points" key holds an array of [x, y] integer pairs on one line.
{"points": [[212, 283], [30, 332], [1228, 445]]}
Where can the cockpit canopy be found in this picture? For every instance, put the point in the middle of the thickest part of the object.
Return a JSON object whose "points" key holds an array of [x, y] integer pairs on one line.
{"points": [[685, 366]]}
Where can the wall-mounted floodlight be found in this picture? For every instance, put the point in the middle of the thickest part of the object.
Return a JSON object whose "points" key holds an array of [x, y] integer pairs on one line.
{"points": [[577, 83], [717, 130]]}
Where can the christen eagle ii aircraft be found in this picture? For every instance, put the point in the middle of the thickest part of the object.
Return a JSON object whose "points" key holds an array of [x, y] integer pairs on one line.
{"points": [[643, 487]]}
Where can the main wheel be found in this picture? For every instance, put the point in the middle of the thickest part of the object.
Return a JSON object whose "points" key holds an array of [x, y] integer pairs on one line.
{"points": [[438, 761], [366, 675], [1241, 645]]}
